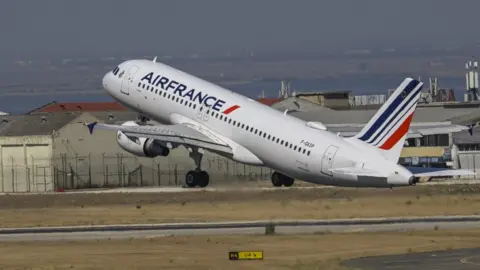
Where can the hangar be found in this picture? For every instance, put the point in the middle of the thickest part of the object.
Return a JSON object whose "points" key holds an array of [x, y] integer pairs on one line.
{"points": [[26, 145]]}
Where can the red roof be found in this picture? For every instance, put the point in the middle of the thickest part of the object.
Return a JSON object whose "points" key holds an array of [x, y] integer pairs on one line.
{"points": [[80, 106], [268, 101]]}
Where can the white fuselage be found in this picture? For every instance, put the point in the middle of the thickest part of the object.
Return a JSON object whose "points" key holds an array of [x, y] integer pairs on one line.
{"points": [[258, 134]]}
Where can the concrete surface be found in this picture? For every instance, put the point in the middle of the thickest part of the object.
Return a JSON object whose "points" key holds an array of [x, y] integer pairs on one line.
{"points": [[176, 189], [239, 228], [461, 259]]}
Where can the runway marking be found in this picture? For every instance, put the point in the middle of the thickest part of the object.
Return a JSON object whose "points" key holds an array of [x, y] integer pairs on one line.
{"points": [[355, 230], [467, 260]]}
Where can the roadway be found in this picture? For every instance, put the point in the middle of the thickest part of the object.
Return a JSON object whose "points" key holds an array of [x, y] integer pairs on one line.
{"points": [[460, 259], [173, 189], [464, 259], [238, 228]]}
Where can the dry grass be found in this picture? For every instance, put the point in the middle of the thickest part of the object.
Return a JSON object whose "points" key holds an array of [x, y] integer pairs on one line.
{"points": [[211, 252], [78, 209]]}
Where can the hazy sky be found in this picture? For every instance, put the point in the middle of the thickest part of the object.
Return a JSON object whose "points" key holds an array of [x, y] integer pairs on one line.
{"points": [[210, 25]]}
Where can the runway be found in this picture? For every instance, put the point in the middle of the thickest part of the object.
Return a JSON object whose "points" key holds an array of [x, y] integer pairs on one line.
{"points": [[178, 189], [461, 259], [237, 228]]}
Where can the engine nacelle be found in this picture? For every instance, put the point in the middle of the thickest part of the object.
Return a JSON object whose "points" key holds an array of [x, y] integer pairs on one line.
{"points": [[142, 147]]}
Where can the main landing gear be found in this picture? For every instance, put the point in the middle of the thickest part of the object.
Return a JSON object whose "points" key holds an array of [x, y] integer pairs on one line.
{"points": [[279, 179], [197, 177]]}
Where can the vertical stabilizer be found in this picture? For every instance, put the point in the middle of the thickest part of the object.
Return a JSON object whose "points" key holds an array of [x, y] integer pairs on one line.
{"points": [[388, 128]]}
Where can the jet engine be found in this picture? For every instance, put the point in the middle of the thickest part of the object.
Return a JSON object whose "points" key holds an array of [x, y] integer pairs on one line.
{"points": [[142, 147]]}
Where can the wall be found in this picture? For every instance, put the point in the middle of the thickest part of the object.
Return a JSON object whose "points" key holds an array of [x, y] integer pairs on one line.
{"points": [[313, 98], [469, 160], [330, 101], [422, 151], [26, 164]]}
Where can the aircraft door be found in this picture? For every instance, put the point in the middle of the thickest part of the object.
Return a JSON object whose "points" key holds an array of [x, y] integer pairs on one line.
{"points": [[128, 80], [327, 160]]}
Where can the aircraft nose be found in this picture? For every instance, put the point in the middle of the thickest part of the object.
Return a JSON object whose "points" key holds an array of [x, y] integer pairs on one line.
{"points": [[105, 80]]}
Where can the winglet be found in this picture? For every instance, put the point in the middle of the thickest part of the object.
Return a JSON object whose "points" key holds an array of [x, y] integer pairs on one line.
{"points": [[470, 129], [91, 126]]}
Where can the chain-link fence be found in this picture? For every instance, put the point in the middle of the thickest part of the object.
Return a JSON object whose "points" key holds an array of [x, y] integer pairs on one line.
{"points": [[118, 170]]}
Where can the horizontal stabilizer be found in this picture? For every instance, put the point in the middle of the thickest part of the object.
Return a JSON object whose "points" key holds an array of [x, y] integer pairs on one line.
{"points": [[444, 173], [433, 172], [356, 171]]}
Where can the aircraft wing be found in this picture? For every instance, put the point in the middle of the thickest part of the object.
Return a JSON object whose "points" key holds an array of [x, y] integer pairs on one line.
{"points": [[179, 134], [416, 130]]}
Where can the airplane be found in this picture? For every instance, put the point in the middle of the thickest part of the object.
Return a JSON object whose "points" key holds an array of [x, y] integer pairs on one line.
{"points": [[201, 116]]}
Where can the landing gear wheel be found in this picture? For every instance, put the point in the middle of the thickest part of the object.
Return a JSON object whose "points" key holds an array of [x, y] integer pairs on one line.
{"points": [[204, 179], [288, 182], [191, 179], [197, 178], [277, 179]]}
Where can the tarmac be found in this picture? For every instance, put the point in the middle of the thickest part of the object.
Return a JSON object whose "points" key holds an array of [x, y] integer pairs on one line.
{"points": [[178, 189], [460, 259], [237, 228]]}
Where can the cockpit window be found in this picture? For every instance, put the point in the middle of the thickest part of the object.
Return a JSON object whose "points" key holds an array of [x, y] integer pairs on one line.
{"points": [[121, 74], [115, 70]]}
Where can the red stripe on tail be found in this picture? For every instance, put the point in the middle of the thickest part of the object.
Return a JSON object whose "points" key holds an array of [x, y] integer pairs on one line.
{"points": [[398, 134], [231, 109]]}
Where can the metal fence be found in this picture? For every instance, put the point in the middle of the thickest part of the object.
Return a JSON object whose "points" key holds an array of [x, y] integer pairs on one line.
{"points": [[118, 170]]}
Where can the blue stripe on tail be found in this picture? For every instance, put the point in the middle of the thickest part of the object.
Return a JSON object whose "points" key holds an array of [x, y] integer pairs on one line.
{"points": [[398, 100], [400, 112]]}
